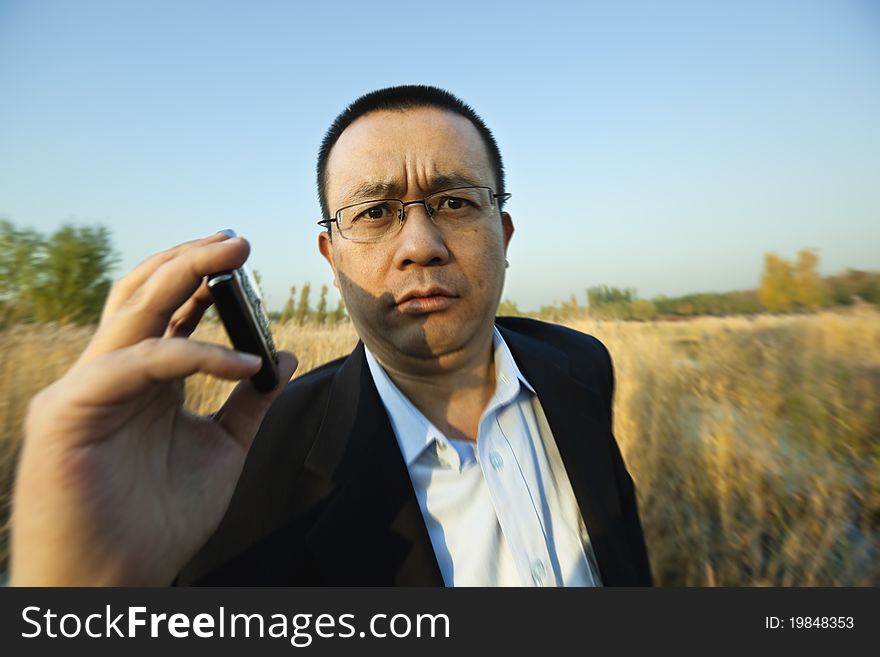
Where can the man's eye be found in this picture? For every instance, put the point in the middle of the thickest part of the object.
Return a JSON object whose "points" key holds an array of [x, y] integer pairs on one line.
{"points": [[375, 213], [453, 203]]}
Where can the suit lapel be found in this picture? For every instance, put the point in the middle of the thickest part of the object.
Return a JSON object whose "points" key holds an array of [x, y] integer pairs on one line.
{"points": [[372, 530], [581, 428]]}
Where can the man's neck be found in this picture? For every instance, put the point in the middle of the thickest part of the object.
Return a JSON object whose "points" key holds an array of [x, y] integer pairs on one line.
{"points": [[452, 399]]}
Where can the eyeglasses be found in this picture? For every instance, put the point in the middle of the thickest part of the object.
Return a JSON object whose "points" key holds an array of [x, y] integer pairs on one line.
{"points": [[381, 219]]}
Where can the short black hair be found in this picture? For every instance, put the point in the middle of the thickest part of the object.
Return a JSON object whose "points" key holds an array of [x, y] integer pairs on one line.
{"points": [[403, 97]]}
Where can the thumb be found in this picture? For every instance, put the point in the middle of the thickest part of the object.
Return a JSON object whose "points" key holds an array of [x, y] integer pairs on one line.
{"points": [[244, 409]]}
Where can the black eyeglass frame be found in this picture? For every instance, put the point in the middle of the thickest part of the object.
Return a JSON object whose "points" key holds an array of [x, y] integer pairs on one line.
{"points": [[325, 223]]}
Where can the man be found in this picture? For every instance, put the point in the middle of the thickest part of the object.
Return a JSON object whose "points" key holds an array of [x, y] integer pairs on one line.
{"points": [[448, 448]]}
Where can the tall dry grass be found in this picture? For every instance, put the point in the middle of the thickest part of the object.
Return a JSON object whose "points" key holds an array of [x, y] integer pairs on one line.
{"points": [[754, 443]]}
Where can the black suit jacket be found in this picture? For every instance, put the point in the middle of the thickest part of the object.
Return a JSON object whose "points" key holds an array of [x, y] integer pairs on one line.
{"points": [[325, 497]]}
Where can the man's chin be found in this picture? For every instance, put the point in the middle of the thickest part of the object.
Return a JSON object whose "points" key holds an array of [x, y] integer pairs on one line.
{"points": [[435, 336]]}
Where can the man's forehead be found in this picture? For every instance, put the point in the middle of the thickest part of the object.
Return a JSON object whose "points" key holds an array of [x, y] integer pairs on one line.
{"points": [[397, 187], [387, 151]]}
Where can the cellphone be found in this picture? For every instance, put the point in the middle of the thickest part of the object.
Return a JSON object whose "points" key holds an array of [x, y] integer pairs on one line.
{"points": [[240, 307]]}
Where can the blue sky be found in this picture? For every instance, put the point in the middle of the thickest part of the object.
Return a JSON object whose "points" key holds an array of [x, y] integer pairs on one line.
{"points": [[664, 146]]}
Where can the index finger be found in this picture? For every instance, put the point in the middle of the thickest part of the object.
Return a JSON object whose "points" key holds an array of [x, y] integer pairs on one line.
{"points": [[128, 284], [146, 313]]}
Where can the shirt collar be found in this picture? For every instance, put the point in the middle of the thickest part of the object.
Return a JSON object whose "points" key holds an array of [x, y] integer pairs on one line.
{"points": [[413, 430], [506, 367]]}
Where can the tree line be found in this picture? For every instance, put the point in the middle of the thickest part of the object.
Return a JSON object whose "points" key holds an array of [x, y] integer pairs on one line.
{"points": [[785, 286], [65, 277], [300, 312]]}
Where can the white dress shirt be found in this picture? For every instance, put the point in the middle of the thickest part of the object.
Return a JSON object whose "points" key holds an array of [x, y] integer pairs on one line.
{"points": [[500, 512]]}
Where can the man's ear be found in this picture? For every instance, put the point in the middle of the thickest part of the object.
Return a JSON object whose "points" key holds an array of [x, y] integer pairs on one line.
{"points": [[325, 246], [507, 227]]}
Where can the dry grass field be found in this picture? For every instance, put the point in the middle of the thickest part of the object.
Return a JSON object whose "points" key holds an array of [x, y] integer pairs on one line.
{"points": [[754, 443]]}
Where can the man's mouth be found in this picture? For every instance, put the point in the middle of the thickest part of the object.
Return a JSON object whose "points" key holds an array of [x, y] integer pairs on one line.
{"points": [[428, 300]]}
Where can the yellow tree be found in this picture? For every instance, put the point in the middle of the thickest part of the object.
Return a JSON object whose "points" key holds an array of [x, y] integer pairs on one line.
{"points": [[287, 313], [809, 288], [777, 284], [303, 312], [321, 312]]}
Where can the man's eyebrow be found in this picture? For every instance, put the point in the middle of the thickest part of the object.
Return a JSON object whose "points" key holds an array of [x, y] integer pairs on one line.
{"points": [[376, 189]]}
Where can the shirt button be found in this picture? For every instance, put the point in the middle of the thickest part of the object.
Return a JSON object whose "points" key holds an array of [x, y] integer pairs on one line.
{"points": [[496, 460], [538, 572]]}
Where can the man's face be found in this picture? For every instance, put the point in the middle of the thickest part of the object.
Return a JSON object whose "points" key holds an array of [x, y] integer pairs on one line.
{"points": [[464, 269]]}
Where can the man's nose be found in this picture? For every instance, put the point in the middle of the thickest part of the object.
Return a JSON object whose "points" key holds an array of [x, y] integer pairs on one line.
{"points": [[420, 240]]}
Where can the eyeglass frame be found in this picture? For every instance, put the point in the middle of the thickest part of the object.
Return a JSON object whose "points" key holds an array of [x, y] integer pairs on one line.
{"points": [[325, 223]]}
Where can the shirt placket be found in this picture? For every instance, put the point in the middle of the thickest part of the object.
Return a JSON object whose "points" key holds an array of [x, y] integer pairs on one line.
{"points": [[516, 511]]}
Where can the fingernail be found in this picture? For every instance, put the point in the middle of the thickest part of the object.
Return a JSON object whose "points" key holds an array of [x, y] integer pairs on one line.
{"points": [[250, 359], [229, 232]]}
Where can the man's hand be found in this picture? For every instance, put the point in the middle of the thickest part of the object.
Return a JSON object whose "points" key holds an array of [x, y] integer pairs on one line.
{"points": [[117, 483]]}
